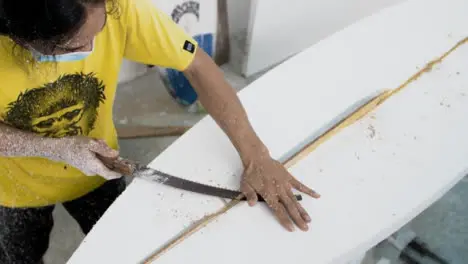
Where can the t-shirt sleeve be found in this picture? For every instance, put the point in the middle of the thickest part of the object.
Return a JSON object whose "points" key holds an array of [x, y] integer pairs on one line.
{"points": [[152, 37]]}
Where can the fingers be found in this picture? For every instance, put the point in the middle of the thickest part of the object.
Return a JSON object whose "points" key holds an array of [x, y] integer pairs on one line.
{"points": [[88, 172], [249, 193], [274, 184], [100, 147], [94, 167], [300, 208], [89, 165], [279, 210], [302, 188], [291, 207], [105, 172]]}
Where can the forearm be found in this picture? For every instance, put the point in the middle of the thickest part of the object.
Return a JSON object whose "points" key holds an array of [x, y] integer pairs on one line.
{"points": [[18, 143], [221, 102]]}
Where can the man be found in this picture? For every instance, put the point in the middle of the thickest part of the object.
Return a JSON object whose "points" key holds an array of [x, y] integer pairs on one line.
{"points": [[59, 67]]}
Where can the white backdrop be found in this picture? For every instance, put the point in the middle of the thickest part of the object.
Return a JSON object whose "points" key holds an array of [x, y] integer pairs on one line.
{"points": [[279, 29]]}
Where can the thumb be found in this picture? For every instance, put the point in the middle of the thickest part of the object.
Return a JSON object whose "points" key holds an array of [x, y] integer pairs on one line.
{"points": [[100, 147], [105, 172]]}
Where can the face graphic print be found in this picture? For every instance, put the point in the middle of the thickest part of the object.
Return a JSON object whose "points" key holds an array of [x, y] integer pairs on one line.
{"points": [[66, 107]]}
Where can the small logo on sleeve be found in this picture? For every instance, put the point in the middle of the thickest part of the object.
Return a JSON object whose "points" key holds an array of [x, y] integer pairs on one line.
{"points": [[188, 46]]}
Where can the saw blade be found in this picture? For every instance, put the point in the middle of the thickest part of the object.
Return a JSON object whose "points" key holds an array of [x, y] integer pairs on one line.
{"points": [[131, 168], [154, 175]]}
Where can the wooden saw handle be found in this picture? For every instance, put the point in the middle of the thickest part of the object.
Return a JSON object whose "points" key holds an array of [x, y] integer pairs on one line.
{"points": [[120, 165]]}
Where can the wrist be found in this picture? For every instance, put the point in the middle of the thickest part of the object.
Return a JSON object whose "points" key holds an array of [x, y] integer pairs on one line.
{"points": [[253, 151]]}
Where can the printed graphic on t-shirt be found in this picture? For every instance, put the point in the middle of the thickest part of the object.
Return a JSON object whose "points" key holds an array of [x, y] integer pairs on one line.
{"points": [[66, 107]]}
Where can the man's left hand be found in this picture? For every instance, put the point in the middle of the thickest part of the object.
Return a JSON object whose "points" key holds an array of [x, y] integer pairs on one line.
{"points": [[274, 183]]}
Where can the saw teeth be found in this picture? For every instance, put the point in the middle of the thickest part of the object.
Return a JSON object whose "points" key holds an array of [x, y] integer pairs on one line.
{"points": [[152, 175]]}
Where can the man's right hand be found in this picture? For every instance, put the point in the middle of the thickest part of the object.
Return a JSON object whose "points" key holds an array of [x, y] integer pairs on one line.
{"points": [[80, 152]]}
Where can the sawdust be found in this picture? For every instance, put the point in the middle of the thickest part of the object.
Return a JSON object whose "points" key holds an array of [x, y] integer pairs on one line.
{"points": [[444, 104], [372, 131]]}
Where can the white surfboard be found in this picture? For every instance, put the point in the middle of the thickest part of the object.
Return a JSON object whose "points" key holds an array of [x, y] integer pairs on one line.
{"points": [[374, 176]]}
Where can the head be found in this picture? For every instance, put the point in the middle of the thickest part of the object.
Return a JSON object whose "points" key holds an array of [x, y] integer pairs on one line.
{"points": [[53, 27]]}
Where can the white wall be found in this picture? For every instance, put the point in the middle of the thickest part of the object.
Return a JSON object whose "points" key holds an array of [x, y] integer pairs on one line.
{"points": [[282, 28]]}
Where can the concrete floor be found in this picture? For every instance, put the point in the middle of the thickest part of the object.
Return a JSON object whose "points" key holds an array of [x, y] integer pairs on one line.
{"points": [[444, 226]]}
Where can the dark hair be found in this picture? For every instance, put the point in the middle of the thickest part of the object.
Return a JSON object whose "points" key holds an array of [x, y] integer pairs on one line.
{"points": [[52, 21]]}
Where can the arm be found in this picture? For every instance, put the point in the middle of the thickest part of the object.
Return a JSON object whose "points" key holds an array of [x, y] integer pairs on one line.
{"points": [[222, 103], [79, 152], [18, 143], [153, 38], [262, 174]]}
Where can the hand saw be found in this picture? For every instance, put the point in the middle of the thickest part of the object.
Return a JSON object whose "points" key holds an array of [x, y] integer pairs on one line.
{"points": [[131, 168]]}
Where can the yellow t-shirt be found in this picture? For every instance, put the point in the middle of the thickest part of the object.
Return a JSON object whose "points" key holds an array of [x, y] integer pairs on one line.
{"points": [[56, 99]]}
